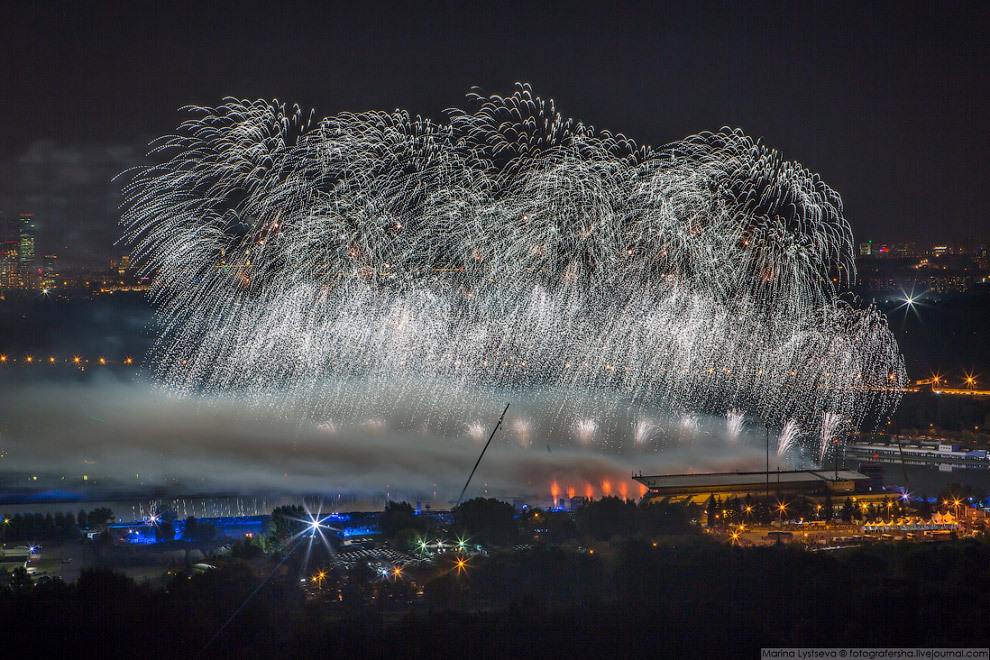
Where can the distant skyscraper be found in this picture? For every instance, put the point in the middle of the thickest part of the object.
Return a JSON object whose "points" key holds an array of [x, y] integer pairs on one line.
{"points": [[26, 236], [9, 262], [27, 231], [49, 271]]}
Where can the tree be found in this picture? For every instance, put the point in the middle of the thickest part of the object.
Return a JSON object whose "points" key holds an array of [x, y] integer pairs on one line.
{"points": [[102, 545], [556, 526], [487, 520], [711, 511], [20, 581], [407, 539], [734, 508], [165, 531], [82, 520], [399, 516], [828, 509], [287, 521], [48, 531], [247, 548], [17, 527], [198, 531], [610, 516], [955, 491], [847, 510], [664, 518], [100, 517], [359, 585]]}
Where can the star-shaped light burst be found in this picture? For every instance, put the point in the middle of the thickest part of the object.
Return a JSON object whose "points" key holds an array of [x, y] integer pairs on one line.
{"points": [[313, 526], [911, 301]]}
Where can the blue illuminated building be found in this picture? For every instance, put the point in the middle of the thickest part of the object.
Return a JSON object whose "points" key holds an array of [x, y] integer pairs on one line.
{"points": [[144, 533]]}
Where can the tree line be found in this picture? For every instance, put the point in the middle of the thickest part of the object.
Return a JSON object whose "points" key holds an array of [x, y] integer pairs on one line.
{"points": [[60, 526], [693, 599]]}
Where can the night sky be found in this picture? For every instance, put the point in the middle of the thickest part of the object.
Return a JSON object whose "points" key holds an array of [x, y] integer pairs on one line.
{"points": [[889, 102]]}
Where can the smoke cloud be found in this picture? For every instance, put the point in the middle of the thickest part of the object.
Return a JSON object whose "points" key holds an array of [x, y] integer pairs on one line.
{"points": [[137, 435]]}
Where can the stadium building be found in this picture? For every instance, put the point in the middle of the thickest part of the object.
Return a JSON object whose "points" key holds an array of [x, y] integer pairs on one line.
{"points": [[698, 488]]}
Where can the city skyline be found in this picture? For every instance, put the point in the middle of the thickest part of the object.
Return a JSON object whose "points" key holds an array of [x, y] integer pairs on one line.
{"points": [[98, 254]]}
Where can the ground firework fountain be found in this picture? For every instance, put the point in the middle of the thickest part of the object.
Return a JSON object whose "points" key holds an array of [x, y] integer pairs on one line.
{"points": [[352, 260], [734, 425], [788, 437], [831, 426], [643, 431], [584, 430]]}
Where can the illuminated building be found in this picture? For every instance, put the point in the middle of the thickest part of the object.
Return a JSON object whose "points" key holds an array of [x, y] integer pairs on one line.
{"points": [[49, 271], [8, 253], [27, 262], [27, 232]]}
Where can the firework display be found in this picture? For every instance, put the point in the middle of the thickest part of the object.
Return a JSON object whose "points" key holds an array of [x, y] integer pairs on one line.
{"points": [[348, 259]]}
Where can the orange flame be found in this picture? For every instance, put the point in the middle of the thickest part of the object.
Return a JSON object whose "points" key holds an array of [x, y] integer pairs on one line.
{"points": [[554, 490], [570, 492], [606, 486]]}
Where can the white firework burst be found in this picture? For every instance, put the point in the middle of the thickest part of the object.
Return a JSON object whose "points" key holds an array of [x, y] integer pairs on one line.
{"points": [[509, 247]]}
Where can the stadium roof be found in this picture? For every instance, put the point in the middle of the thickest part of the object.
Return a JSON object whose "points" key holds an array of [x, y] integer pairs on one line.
{"points": [[721, 479]]}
